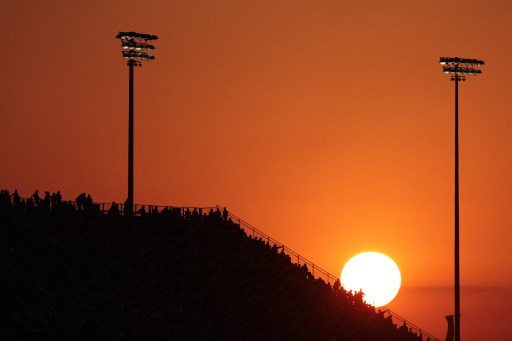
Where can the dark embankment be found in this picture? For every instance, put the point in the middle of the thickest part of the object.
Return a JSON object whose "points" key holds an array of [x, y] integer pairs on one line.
{"points": [[78, 274]]}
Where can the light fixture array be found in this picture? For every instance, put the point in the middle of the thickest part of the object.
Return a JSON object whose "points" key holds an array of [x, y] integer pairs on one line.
{"points": [[135, 47], [461, 67]]}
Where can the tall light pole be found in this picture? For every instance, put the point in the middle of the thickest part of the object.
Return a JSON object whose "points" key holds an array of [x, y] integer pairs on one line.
{"points": [[135, 47], [458, 68]]}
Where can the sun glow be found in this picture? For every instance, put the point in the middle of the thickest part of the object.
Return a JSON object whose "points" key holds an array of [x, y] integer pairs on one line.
{"points": [[376, 274]]}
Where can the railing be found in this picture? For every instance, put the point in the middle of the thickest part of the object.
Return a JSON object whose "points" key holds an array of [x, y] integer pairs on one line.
{"points": [[105, 207], [296, 258], [399, 320], [255, 233]]}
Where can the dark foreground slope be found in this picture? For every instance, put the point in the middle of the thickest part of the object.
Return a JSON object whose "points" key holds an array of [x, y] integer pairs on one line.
{"points": [[68, 274]]}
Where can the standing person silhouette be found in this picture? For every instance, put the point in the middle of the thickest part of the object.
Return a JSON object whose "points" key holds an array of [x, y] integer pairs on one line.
{"points": [[36, 198], [16, 200]]}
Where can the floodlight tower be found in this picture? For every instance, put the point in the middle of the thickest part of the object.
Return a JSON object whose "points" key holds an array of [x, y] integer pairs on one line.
{"points": [[135, 47], [458, 68]]}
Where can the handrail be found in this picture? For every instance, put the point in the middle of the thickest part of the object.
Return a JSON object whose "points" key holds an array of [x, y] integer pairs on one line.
{"points": [[300, 260], [398, 318], [104, 208]]}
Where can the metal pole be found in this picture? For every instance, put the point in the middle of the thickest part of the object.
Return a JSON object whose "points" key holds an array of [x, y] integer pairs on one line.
{"points": [[457, 267], [129, 203]]}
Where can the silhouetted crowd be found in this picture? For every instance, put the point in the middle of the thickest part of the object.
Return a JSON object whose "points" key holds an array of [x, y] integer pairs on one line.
{"points": [[46, 202], [71, 272]]}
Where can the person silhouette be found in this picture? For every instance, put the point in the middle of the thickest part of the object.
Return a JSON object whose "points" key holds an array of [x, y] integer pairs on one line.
{"points": [[36, 198], [58, 198], [114, 209], [53, 200], [80, 201], [16, 199], [128, 207], [88, 202], [47, 199]]}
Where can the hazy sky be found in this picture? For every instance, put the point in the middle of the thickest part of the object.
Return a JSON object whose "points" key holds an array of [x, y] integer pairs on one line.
{"points": [[327, 124]]}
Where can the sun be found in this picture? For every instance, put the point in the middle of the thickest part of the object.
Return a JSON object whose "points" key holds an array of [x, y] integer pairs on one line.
{"points": [[376, 274]]}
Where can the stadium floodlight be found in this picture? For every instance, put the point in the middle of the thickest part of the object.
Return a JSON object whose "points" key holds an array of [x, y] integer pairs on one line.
{"points": [[461, 66], [134, 48], [458, 68]]}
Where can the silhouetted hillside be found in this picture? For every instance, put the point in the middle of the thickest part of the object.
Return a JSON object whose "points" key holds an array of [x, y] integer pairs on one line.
{"points": [[79, 274]]}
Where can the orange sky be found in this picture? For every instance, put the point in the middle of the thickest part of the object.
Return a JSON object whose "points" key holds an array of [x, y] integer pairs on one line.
{"points": [[328, 124]]}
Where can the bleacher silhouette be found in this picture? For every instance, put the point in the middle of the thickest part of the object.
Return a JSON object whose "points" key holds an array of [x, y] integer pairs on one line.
{"points": [[84, 271]]}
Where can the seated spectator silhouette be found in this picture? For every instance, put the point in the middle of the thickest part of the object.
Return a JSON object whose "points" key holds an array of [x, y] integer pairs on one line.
{"points": [[58, 198], [88, 202], [53, 200], [29, 205], [80, 201], [47, 200], [128, 207], [5, 201], [142, 211], [113, 210], [403, 329], [336, 286]]}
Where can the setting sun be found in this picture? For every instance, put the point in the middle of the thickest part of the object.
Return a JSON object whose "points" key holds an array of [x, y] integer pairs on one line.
{"points": [[376, 274]]}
